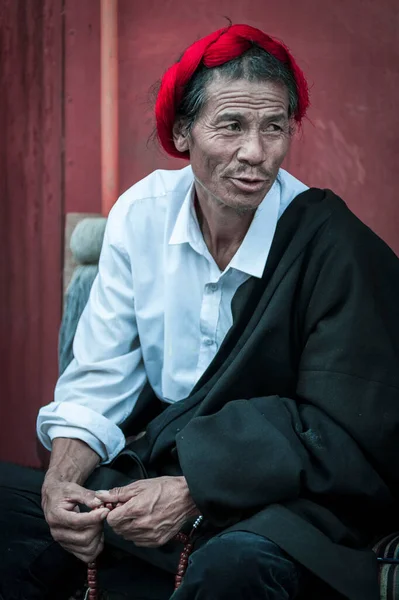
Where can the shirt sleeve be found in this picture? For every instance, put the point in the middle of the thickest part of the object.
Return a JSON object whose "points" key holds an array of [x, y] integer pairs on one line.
{"points": [[100, 387]]}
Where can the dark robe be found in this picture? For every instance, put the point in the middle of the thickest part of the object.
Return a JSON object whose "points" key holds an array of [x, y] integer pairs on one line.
{"points": [[293, 430]]}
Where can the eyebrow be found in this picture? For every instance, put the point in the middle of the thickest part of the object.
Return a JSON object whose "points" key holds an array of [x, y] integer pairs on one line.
{"points": [[236, 116]]}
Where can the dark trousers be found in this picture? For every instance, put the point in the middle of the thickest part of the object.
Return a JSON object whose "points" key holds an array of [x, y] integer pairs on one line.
{"points": [[33, 567]]}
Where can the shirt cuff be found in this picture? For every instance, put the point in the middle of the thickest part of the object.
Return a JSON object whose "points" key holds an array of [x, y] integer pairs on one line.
{"points": [[73, 421]]}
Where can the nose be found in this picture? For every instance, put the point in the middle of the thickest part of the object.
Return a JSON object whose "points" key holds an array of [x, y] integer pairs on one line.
{"points": [[251, 150]]}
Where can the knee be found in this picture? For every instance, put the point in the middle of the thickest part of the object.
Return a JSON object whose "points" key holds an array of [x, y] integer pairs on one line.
{"points": [[240, 563], [228, 558]]}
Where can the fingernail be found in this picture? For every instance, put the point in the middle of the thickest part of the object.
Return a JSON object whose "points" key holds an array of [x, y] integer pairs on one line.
{"points": [[101, 492], [97, 501]]}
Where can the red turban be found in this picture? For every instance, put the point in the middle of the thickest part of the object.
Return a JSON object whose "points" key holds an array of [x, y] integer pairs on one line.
{"points": [[214, 50]]}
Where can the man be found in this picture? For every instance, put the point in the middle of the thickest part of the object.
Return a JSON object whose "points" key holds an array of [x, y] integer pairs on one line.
{"points": [[249, 326]]}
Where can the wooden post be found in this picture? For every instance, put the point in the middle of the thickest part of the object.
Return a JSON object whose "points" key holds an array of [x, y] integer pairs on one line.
{"points": [[109, 105]]}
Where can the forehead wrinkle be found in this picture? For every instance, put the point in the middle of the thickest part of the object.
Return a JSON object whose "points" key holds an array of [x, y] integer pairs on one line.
{"points": [[246, 98], [233, 102], [247, 111], [233, 96], [240, 87]]}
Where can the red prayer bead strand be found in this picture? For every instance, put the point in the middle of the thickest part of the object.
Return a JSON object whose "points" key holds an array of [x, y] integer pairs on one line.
{"points": [[92, 584], [187, 550]]}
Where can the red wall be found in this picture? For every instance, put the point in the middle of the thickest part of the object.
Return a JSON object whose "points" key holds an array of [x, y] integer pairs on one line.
{"points": [[50, 144], [30, 217], [348, 50]]}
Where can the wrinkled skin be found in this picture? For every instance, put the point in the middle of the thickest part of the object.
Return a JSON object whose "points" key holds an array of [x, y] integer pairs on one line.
{"points": [[78, 533], [149, 512], [242, 132]]}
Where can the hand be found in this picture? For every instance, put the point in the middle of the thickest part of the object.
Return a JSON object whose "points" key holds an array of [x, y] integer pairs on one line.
{"points": [[150, 512], [79, 533]]}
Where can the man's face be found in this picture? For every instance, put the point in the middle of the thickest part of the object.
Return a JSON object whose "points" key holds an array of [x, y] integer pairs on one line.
{"points": [[238, 141]]}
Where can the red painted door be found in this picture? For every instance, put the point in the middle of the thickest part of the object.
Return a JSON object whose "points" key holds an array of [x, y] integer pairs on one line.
{"points": [[50, 145], [30, 217]]}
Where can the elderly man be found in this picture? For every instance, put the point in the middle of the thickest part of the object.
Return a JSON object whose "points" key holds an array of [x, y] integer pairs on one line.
{"points": [[249, 325]]}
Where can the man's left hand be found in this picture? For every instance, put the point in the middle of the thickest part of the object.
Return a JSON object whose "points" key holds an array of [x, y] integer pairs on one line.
{"points": [[150, 512]]}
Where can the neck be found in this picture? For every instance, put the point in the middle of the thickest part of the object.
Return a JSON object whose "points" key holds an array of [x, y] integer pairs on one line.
{"points": [[223, 227]]}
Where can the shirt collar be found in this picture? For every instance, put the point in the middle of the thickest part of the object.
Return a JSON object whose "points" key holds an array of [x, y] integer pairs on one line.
{"points": [[184, 230], [251, 256]]}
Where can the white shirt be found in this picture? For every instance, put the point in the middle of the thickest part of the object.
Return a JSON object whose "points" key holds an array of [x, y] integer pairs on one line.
{"points": [[159, 308]]}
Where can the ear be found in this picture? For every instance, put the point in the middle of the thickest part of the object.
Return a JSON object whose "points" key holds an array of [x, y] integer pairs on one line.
{"points": [[180, 136]]}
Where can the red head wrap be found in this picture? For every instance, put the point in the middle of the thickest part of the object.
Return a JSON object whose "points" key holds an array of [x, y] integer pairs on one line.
{"points": [[214, 50]]}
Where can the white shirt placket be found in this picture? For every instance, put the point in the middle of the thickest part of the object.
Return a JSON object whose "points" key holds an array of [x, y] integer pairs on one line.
{"points": [[209, 317]]}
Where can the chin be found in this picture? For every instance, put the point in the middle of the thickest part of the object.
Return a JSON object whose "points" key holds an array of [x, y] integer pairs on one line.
{"points": [[245, 201], [244, 208], [244, 205]]}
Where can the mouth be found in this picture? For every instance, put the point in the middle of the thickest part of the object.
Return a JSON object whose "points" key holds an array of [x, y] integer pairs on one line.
{"points": [[246, 184]]}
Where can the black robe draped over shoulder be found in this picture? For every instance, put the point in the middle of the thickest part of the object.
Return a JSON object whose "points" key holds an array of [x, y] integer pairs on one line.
{"points": [[293, 430]]}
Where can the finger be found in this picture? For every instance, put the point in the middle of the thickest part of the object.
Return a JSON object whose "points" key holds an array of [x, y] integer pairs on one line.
{"points": [[123, 516], [139, 533], [88, 520], [70, 519], [118, 518], [86, 555], [80, 538], [86, 547], [76, 494], [117, 495]]}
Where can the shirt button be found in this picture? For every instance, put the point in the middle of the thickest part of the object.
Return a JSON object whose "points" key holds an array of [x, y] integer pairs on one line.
{"points": [[208, 342], [213, 287]]}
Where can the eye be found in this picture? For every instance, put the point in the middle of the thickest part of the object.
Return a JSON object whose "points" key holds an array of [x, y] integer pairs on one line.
{"points": [[233, 126], [273, 128]]}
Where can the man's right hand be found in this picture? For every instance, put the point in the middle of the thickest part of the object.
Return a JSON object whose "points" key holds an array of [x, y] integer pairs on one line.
{"points": [[80, 533]]}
